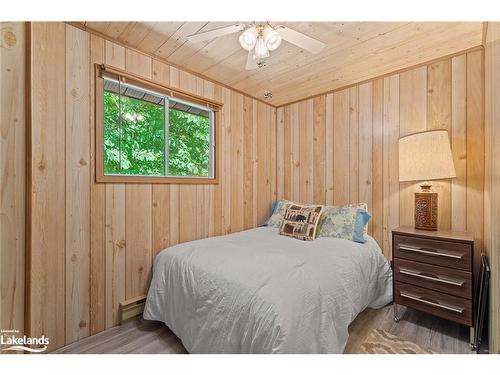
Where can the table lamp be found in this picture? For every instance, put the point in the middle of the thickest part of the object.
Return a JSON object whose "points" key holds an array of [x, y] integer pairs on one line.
{"points": [[424, 157]]}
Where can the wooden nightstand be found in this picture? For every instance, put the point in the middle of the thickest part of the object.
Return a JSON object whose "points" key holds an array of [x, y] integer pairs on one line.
{"points": [[433, 272]]}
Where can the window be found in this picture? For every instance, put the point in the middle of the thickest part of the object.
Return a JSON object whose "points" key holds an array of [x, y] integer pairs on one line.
{"points": [[151, 133]]}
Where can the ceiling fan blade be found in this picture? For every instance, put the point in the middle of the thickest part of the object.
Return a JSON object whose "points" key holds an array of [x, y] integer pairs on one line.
{"points": [[251, 64], [300, 40], [211, 34]]}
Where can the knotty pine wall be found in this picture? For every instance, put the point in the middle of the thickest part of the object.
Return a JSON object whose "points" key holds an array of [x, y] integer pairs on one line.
{"points": [[342, 147], [92, 245], [12, 176], [492, 188]]}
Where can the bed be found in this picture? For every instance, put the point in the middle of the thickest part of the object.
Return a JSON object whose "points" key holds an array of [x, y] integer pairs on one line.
{"points": [[259, 292]]}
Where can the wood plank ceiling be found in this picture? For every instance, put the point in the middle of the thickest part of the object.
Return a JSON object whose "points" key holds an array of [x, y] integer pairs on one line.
{"points": [[355, 51]]}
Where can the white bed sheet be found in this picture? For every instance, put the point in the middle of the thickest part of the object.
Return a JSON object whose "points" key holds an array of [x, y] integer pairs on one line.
{"points": [[258, 292]]}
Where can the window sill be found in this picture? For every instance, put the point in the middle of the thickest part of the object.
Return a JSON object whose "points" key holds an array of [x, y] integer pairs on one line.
{"points": [[107, 179]]}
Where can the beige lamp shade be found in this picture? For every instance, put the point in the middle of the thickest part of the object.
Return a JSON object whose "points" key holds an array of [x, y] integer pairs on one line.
{"points": [[425, 156]]}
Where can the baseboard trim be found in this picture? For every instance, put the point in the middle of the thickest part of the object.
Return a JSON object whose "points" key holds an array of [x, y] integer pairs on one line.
{"points": [[131, 308]]}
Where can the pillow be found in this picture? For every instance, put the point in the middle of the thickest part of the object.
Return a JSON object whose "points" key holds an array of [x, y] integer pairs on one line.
{"points": [[362, 206], [300, 221], [348, 222], [278, 209], [362, 219]]}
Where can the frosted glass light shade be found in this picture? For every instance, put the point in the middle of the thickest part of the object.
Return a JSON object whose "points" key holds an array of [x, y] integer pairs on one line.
{"points": [[271, 38], [248, 38], [261, 50], [425, 156]]}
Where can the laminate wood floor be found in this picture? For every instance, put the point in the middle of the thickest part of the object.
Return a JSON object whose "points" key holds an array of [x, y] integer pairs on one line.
{"points": [[141, 336]]}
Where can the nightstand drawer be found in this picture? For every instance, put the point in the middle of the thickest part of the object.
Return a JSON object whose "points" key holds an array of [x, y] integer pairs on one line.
{"points": [[439, 252], [441, 279], [443, 305]]}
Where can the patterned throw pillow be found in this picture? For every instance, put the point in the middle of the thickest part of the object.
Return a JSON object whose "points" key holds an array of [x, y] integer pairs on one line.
{"points": [[344, 222], [279, 208], [300, 221]]}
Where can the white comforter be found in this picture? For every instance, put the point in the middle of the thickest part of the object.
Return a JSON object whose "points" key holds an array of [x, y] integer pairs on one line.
{"points": [[258, 292]]}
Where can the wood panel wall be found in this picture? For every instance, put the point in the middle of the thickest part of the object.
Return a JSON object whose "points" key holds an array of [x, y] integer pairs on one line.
{"points": [[92, 245], [342, 147], [492, 188], [12, 176]]}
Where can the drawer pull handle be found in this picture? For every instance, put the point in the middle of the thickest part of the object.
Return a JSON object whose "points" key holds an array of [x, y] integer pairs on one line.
{"points": [[427, 252], [418, 274], [459, 310]]}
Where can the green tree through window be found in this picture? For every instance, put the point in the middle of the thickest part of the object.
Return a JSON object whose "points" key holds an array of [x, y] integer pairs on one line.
{"points": [[189, 144], [135, 139], [138, 149]]}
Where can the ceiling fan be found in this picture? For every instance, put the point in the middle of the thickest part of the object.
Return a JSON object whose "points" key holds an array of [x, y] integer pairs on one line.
{"points": [[261, 38]]}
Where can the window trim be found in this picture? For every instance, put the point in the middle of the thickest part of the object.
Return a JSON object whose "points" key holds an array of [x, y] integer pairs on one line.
{"points": [[175, 93]]}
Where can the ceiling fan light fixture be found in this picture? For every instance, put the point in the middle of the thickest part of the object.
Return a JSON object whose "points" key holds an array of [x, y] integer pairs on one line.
{"points": [[272, 38], [248, 38], [259, 39], [261, 51]]}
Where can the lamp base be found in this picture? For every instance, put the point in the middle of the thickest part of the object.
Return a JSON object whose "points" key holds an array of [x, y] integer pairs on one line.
{"points": [[426, 208]]}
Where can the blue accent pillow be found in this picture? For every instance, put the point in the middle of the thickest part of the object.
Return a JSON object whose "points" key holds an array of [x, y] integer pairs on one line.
{"points": [[278, 209], [273, 206], [362, 218]]}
